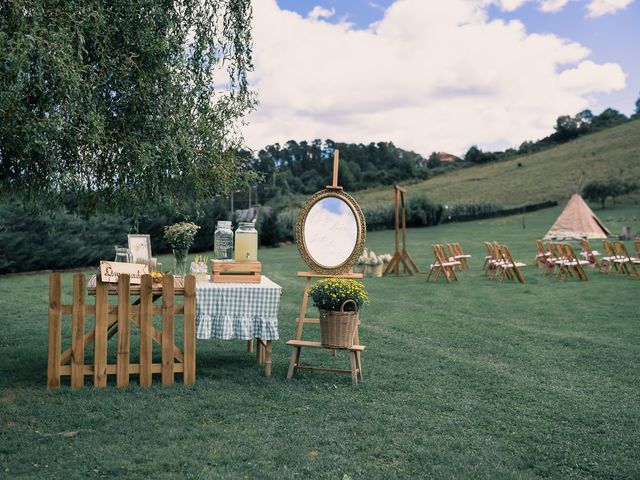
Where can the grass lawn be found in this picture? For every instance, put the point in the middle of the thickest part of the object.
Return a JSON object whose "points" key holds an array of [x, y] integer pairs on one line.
{"points": [[470, 380]]}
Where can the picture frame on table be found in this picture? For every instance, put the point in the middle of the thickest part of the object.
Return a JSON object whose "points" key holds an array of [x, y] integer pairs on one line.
{"points": [[140, 246]]}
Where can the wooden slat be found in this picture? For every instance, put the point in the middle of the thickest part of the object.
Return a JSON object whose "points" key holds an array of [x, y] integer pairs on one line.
{"points": [[321, 369], [134, 369], [167, 330], [100, 340], [146, 336], [322, 275], [124, 327], [311, 320], [55, 330], [190, 330], [306, 343], [77, 331]]}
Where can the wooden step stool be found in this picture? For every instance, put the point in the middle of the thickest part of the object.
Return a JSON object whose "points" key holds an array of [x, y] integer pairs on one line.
{"points": [[354, 358]]}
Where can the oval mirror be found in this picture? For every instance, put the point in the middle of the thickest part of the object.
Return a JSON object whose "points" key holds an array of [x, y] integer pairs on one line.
{"points": [[330, 232]]}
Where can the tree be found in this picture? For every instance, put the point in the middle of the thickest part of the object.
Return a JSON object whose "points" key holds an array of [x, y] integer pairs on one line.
{"points": [[609, 117], [596, 191], [434, 160], [476, 155], [599, 191], [637, 113], [566, 128], [114, 101]]}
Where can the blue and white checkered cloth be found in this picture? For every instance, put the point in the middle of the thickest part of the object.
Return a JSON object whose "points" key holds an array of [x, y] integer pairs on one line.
{"points": [[237, 310]]}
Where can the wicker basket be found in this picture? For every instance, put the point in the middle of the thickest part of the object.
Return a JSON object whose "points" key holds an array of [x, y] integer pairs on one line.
{"points": [[337, 328]]}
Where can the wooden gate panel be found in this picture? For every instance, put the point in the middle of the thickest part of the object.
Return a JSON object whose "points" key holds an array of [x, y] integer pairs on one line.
{"points": [[112, 319]]}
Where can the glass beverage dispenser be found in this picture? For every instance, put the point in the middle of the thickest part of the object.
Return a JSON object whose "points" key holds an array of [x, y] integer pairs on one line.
{"points": [[246, 243], [223, 241]]}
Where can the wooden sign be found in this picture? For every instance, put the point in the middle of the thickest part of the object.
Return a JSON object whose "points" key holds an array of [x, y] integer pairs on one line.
{"points": [[110, 271]]}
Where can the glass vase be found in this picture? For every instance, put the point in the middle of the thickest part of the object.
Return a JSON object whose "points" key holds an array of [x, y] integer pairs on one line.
{"points": [[180, 264]]}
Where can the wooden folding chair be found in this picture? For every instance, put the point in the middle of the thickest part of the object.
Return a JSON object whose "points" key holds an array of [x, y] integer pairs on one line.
{"points": [[451, 255], [442, 264], [589, 254], [511, 266], [573, 264], [492, 260], [553, 260], [460, 256], [540, 260], [488, 258], [628, 263], [636, 244], [611, 261], [501, 269]]}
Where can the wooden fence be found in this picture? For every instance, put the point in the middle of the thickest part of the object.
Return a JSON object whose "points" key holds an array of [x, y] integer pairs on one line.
{"points": [[111, 319]]}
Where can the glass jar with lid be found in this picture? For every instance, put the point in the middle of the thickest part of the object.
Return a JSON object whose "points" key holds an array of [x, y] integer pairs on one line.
{"points": [[223, 241], [246, 246]]}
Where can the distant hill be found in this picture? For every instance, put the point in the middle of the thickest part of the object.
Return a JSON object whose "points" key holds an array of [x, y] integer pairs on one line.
{"points": [[548, 175]]}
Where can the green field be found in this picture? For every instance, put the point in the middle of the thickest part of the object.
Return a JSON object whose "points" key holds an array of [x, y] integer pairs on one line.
{"points": [[471, 380], [549, 175]]}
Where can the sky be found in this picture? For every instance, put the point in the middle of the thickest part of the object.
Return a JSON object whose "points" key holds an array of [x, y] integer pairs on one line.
{"points": [[433, 75]]}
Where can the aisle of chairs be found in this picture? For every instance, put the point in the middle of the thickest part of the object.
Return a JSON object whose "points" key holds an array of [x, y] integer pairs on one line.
{"points": [[557, 259]]}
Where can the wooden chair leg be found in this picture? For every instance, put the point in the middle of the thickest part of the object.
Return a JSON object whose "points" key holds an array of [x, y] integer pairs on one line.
{"points": [[295, 358], [359, 360], [354, 367], [267, 358]]}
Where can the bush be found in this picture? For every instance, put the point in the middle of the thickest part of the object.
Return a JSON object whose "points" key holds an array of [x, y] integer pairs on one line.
{"points": [[59, 240]]}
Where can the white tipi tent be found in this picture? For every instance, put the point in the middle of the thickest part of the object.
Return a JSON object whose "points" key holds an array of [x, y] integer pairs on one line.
{"points": [[577, 221]]}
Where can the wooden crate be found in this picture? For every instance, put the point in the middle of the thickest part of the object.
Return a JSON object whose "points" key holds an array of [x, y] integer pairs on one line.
{"points": [[235, 272]]}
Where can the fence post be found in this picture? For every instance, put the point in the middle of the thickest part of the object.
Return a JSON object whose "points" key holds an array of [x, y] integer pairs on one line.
{"points": [[167, 329], [189, 376], [124, 325], [146, 337], [77, 331], [100, 338], [55, 330]]}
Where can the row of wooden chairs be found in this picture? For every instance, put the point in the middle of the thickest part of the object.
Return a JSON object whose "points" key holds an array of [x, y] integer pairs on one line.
{"points": [[499, 263], [561, 260], [618, 260]]}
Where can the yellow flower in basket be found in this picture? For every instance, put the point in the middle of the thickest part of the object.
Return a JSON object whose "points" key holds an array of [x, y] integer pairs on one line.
{"points": [[331, 293]]}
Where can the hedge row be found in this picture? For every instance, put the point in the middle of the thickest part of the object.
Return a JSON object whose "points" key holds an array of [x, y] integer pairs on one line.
{"points": [[59, 240]]}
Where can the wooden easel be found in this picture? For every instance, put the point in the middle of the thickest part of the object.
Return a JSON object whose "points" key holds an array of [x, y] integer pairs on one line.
{"points": [[401, 256], [355, 352]]}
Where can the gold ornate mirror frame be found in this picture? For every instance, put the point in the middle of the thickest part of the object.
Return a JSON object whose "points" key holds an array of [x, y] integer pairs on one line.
{"points": [[360, 225]]}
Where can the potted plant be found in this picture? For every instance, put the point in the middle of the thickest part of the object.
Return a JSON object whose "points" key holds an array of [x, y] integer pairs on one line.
{"points": [[180, 237], [359, 267], [338, 301], [373, 265]]}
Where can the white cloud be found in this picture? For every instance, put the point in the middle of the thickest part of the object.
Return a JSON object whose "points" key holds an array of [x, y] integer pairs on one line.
{"points": [[319, 12], [429, 76], [597, 8], [552, 6]]}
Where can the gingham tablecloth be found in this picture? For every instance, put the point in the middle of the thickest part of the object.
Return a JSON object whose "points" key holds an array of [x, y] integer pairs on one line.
{"points": [[237, 310]]}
